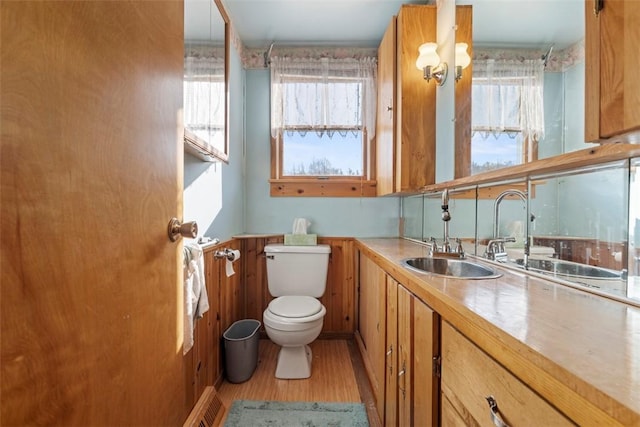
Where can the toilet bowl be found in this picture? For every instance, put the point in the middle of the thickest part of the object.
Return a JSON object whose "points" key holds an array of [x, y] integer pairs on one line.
{"points": [[293, 322], [296, 277]]}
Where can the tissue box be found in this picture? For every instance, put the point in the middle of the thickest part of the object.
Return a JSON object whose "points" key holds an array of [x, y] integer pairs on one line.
{"points": [[301, 239]]}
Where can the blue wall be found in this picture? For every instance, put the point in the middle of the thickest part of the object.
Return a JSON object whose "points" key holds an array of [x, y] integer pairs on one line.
{"points": [[230, 199], [214, 192], [330, 216]]}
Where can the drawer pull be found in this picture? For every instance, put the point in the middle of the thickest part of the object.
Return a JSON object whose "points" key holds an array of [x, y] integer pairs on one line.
{"points": [[495, 413], [403, 389]]}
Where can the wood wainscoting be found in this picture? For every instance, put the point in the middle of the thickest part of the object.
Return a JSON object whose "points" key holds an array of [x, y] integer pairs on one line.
{"points": [[204, 362], [339, 297]]}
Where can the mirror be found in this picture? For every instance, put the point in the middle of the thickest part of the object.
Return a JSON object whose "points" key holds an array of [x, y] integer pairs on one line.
{"points": [[206, 80], [527, 30]]}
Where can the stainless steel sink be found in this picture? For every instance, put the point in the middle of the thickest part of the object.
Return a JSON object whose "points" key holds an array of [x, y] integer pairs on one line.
{"points": [[571, 269], [448, 267]]}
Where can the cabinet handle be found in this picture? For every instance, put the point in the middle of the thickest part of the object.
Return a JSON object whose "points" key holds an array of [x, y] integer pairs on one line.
{"points": [[389, 108], [598, 5], [404, 380], [390, 352], [495, 413]]}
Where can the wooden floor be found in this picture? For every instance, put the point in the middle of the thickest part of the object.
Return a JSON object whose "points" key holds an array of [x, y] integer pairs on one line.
{"points": [[337, 376]]}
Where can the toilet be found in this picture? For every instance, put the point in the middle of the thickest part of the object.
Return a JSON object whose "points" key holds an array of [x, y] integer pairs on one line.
{"points": [[297, 277]]}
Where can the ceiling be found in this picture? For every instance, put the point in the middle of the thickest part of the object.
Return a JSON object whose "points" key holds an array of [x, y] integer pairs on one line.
{"points": [[361, 23]]}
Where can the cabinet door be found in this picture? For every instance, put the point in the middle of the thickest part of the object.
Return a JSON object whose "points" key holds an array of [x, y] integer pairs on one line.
{"points": [[391, 383], [612, 87], [372, 324], [406, 111], [417, 345], [469, 376], [385, 123]]}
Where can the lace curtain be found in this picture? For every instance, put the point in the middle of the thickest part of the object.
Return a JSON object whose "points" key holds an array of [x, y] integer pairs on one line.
{"points": [[508, 97], [204, 100], [324, 95]]}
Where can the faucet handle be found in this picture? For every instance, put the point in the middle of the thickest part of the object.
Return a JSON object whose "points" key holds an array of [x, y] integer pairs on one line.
{"points": [[459, 248], [495, 249]]}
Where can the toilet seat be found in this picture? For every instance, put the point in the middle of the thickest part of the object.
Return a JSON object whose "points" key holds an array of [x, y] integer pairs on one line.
{"points": [[293, 313], [295, 306]]}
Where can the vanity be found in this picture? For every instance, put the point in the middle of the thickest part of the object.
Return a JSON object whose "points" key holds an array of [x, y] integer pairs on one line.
{"points": [[516, 349]]}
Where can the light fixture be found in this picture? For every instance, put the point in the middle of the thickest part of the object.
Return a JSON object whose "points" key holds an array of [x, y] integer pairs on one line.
{"points": [[429, 62], [462, 59]]}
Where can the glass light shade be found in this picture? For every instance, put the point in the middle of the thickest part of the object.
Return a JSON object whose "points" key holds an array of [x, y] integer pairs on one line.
{"points": [[462, 57], [428, 56]]}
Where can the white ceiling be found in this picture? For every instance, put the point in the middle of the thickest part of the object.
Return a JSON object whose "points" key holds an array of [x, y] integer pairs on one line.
{"points": [[361, 23]]}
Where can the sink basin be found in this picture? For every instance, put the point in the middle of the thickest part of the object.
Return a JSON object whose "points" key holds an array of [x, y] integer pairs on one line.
{"points": [[450, 268], [571, 269]]}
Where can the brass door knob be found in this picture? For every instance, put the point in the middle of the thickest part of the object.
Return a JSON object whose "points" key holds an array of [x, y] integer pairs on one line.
{"points": [[177, 229]]}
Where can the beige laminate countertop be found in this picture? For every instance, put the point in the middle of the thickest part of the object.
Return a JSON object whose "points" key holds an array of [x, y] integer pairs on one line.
{"points": [[578, 350]]}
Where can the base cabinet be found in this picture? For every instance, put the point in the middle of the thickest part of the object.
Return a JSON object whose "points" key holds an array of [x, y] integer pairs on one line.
{"points": [[470, 377], [399, 339], [371, 326], [415, 386]]}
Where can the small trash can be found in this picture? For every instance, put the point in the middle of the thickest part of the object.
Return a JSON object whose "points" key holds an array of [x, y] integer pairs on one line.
{"points": [[241, 349]]}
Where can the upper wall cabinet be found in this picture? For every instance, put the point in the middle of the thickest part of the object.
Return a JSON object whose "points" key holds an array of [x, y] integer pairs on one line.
{"points": [[612, 63], [206, 80], [406, 114]]}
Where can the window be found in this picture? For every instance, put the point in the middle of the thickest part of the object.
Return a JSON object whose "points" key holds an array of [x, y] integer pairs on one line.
{"points": [[508, 116], [205, 113], [322, 127]]}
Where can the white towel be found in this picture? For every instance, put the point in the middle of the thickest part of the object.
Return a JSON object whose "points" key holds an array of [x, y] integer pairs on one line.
{"points": [[196, 302]]}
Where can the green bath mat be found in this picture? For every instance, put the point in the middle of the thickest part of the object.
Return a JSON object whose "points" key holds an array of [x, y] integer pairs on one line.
{"points": [[245, 413]]}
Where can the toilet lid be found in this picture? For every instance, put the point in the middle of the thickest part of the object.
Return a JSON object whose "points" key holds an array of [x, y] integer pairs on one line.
{"points": [[295, 306]]}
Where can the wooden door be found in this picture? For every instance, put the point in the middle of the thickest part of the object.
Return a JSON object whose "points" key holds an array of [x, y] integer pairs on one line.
{"points": [[417, 345], [385, 123], [426, 387], [405, 371], [391, 383], [91, 174], [612, 89], [619, 85]]}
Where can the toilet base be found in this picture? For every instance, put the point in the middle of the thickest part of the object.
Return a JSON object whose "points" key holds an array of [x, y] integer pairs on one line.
{"points": [[294, 362]]}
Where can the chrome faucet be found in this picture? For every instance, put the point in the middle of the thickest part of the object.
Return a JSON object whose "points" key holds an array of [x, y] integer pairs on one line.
{"points": [[496, 206], [495, 249], [446, 217], [446, 250]]}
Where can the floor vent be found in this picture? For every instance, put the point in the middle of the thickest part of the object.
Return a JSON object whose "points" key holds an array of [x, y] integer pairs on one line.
{"points": [[208, 410]]}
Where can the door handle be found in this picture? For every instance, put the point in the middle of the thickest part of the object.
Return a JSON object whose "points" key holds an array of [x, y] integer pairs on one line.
{"points": [[177, 229]]}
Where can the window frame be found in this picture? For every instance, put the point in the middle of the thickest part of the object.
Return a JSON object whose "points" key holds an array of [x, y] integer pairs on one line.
{"points": [[323, 186]]}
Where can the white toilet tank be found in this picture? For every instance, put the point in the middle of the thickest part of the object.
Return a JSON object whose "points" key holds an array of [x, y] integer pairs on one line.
{"points": [[297, 270]]}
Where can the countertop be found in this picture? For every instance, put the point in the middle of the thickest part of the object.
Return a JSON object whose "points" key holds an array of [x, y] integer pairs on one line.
{"points": [[578, 350]]}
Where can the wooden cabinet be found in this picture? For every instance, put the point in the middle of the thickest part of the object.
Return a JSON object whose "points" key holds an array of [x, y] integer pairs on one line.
{"points": [[414, 386], [371, 326], [399, 335], [469, 376], [612, 96], [406, 111]]}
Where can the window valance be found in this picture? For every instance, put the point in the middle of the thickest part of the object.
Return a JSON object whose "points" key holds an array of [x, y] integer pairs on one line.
{"points": [[508, 97], [323, 95]]}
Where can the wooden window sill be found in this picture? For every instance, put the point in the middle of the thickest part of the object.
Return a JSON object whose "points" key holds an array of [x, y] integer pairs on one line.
{"points": [[313, 187]]}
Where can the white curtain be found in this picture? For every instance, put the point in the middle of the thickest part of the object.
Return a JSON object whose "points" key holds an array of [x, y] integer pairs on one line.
{"points": [[508, 97], [325, 95], [204, 100]]}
